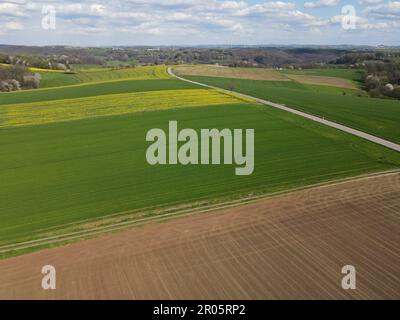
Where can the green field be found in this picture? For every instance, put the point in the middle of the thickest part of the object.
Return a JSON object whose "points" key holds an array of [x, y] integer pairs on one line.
{"points": [[92, 89], [36, 113], [59, 78], [62, 173], [56, 79], [78, 153], [380, 117], [53, 79]]}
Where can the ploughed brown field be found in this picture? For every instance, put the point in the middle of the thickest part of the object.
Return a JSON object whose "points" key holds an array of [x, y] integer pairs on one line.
{"points": [[322, 81], [292, 246], [261, 74], [227, 72]]}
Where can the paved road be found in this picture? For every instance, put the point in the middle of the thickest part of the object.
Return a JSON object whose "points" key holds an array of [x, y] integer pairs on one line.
{"points": [[375, 139]]}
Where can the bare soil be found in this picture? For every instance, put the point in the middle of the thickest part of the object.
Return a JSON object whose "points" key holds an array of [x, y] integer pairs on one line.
{"points": [[322, 81], [292, 246], [261, 74], [226, 72]]}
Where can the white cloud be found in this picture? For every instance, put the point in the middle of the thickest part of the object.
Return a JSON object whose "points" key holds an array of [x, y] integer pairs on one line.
{"points": [[233, 5], [76, 10], [221, 21], [321, 4], [179, 16], [98, 9], [363, 2], [265, 8], [361, 23], [390, 10], [204, 15], [13, 25], [12, 9]]}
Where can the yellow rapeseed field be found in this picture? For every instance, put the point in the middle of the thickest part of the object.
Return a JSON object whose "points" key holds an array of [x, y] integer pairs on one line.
{"points": [[115, 104], [35, 69]]}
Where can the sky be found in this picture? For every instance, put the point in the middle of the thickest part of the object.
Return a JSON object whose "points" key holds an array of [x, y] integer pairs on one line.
{"points": [[199, 22]]}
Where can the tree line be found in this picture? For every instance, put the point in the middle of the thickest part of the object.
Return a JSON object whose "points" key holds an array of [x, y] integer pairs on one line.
{"points": [[382, 79], [13, 78]]}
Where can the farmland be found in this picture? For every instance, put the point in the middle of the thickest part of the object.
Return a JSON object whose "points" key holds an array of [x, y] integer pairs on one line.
{"points": [[116, 104], [380, 117], [58, 78], [200, 151], [318, 77], [62, 173], [226, 72], [76, 154], [287, 247], [55, 79], [92, 89], [349, 74]]}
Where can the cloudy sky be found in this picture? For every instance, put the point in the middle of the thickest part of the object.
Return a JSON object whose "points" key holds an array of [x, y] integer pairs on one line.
{"points": [[193, 22]]}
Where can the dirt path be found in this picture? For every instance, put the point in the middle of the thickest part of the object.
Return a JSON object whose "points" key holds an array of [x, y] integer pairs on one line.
{"points": [[292, 246], [358, 133]]}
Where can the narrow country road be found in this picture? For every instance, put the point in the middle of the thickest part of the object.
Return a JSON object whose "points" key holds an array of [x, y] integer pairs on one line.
{"points": [[361, 134]]}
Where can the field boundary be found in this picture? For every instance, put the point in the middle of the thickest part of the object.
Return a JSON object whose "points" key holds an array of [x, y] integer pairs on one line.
{"points": [[171, 213], [83, 84], [355, 132], [265, 74], [86, 83]]}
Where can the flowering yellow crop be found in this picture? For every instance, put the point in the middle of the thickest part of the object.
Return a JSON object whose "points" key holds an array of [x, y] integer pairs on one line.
{"points": [[46, 70], [106, 105], [109, 74]]}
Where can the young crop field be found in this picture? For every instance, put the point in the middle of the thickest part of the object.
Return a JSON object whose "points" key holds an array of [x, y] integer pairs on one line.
{"points": [[51, 79], [106, 105], [380, 117], [67, 172], [76, 154], [92, 89], [56, 79]]}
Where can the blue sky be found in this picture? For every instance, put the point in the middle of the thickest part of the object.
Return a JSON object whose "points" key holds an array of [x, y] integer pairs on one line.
{"points": [[193, 22]]}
